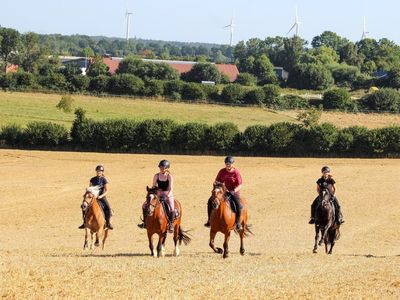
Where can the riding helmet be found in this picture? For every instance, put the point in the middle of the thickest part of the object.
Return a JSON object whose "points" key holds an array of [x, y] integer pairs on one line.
{"points": [[100, 168], [326, 169], [229, 160], [164, 164]]}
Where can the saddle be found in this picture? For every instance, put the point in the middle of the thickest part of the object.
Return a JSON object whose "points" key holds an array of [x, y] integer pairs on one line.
{"points": [[167, 209], [232, 202]]}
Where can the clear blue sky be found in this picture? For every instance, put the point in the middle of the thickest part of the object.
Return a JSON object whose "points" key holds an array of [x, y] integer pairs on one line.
{"points": [[202, 21]]}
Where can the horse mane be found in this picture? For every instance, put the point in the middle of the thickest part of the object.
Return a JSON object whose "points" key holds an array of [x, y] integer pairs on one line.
{"points": [[94, 190]]}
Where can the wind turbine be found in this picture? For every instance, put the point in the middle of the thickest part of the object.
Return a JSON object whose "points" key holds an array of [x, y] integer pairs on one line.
{"points": [[232, 28], [128, 21], [295, 25], [365, 32]]}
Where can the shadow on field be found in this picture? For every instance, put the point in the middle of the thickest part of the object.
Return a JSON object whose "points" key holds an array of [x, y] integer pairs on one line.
{"points": [[371, 255], [116, 255]]}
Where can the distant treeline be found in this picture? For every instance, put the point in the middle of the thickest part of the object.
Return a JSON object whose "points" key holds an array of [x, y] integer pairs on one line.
{"points": [[166, 136]]}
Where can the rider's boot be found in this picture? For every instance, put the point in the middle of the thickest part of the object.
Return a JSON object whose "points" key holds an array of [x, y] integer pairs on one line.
{"points": [[171, 221], [209, 208], [238, 225], [83, 224], [143, 225]]}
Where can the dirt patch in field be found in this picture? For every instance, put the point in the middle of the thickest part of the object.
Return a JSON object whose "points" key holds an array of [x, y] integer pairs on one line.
{"points": [[40, 245]]}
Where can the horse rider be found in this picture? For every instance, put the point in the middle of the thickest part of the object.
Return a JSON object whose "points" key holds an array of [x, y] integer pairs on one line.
{"points": [[326, 181], [232, 179], [164, 181], [101, 181]]}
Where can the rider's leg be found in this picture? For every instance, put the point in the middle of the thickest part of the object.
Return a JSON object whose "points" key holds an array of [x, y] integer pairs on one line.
{"points": [[144, 210], [171, 206], [339, 216], [107, 212], [313, 208], [236, 198], [83, 217], [209, 209]]}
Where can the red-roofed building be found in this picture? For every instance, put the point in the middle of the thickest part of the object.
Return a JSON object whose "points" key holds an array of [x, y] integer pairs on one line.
{"points": [[12, 69], [181, 66]]}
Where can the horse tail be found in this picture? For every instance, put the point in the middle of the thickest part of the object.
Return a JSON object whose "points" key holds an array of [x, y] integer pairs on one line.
{"points": [[247, 230], [183, 236]]}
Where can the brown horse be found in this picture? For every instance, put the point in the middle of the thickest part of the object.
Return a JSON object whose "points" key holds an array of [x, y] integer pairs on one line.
{"points": [[325, 223], [94, 218], [157, 223], [222, 219]]}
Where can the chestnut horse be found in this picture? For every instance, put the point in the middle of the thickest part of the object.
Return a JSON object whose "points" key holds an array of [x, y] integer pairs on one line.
{"points": [[325, 222], [222, 219], [94, 218], [157, 223]]}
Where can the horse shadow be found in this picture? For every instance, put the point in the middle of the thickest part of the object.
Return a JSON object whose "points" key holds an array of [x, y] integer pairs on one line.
{"points": [[371, 255]]}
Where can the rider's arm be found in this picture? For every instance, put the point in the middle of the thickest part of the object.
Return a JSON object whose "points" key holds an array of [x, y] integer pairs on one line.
{"points": [[318, 189], [155, 180], [237, 189], [105, 191], [171, 185], [334, 189]]}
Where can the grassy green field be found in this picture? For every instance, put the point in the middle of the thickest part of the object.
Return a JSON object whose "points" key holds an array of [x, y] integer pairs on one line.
{"points": [[21, 108]]}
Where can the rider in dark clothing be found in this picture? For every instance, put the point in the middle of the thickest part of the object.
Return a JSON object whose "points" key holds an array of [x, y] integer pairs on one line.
{"points": [[326, 182], [101, 181]]}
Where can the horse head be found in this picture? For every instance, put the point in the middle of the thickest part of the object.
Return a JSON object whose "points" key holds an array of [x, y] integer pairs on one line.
{"points": [[151, 199], [217, 194], [90, 194], [325, 197]]}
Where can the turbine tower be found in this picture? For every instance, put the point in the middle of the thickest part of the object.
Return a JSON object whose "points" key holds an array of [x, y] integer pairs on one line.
{"points": [[232, 28], [365, 32], [128, 21], [295, 25]]}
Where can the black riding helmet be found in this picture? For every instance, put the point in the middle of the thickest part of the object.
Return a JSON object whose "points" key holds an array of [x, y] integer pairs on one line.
{"points": [[326, 169], [164, 164], [100, 168], [229, 160]]}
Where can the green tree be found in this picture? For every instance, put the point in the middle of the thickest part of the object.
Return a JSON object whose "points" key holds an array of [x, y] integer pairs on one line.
{"points": [[10, 43], [203, 72], [328, 39], [97, 67]]}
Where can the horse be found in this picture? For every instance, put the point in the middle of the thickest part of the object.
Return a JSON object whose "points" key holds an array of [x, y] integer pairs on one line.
{"points": [[94, 218], [325, 223], [157, 223], [222, 219]]}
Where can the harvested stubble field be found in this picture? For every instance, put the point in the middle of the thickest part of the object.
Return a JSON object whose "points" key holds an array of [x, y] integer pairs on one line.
{"points": [[41, 247]]}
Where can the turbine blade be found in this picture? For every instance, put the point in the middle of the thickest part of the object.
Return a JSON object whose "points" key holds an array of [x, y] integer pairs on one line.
{"points": [[291, 28]]}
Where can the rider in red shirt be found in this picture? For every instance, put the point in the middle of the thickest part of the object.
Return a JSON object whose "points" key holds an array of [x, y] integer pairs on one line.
{"points": [[232, 179]]}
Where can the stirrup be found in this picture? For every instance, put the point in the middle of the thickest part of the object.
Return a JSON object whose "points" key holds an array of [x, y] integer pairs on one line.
{"points": [[238, 226], [109, 226]]}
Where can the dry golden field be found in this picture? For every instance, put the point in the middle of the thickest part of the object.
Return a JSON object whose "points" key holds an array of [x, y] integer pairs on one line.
{"points": [[41, 248]]}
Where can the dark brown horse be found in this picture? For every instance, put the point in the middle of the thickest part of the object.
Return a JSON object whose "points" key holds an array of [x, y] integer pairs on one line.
{"points": [[222, 219], [157, 223], [325, 223], [94, 218]]}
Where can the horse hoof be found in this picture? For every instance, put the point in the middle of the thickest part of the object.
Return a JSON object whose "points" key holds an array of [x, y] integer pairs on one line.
{"points": [[315, 251], [176, 252], [220, 251], [225, 255], [242, 251]]}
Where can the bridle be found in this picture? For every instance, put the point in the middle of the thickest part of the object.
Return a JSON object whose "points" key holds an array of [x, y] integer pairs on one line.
{"points": [[88, 203], [217, 200]]}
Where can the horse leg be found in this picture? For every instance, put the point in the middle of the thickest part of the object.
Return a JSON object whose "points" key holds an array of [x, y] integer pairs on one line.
{"points": [[86, 243], [104, 239], [212, 237], [151, 246], [159, 246], [164, 238], [323, 235], [91, 240], [97, 242], [226, 250], [176, 234], [241, 240], [316, 239]]}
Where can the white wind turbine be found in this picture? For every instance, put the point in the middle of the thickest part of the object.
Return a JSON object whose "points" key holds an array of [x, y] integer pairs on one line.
{"points": [[232, 29], [128, 21], [295, 25], [365, 32]]}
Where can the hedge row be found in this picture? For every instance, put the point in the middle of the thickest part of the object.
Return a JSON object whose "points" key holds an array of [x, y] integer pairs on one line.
{"points": [[166, 136], [128, 84]]}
